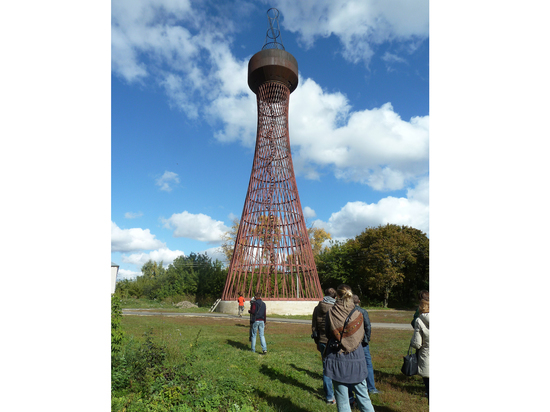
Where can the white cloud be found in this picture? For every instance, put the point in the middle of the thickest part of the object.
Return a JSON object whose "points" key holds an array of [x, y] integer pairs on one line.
{"points": [[199, 227], [375, 147], [360, 25], [354, 217], [166, 180], [129, 240], [215, 253], [190, 57], [392, 58], [166, 255], [127, 274], [132, 215], [309, 212]]}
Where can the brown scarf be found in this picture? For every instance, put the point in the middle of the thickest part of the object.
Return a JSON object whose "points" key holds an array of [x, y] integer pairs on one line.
{"points": [[352, 337]]}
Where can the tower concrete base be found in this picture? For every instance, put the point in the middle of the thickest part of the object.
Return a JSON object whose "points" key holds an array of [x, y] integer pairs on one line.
{"points": [[273, 307]]}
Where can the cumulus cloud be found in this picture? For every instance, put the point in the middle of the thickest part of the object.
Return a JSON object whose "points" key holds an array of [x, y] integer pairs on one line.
{"points": [[309, 212], [375, 147], [164, 254], [129, 240], [354, 217], [127, 274], [175, 46], [190, 57], [215, 253], [199, 227], [360, 25], [167, 180], [132, 215]]}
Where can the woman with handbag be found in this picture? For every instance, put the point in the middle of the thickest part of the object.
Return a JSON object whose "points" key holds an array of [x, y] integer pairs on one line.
{"points": [[421, 341], [345, 360]]}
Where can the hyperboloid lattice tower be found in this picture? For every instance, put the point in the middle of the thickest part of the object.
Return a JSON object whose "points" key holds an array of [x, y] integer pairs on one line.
{"points": [[272, 251]]}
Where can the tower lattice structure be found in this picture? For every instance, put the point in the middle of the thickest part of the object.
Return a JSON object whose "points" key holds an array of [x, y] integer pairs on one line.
{"points": [[272, 253]]}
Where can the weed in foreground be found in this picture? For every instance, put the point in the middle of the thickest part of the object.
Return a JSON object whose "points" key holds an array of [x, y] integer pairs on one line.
{"points": [[207, 366]]}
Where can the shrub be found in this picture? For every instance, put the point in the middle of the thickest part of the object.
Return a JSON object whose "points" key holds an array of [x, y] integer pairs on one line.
{"points": [[117, 334]]}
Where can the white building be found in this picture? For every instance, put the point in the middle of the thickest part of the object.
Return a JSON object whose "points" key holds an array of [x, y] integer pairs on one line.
{"points": [[114, 273]]}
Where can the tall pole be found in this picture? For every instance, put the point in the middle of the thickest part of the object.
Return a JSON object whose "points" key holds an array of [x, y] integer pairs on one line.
{"points": [[272, 253]]}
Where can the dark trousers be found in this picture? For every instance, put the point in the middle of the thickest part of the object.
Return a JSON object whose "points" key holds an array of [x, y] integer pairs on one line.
{"points": [[427, 384]]}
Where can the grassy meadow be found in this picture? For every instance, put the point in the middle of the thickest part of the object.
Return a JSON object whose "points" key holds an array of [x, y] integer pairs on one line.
{"points": [[181, 364]]}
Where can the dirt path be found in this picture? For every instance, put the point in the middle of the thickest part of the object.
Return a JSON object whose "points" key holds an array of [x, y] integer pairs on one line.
{"points": [[149, 312]]}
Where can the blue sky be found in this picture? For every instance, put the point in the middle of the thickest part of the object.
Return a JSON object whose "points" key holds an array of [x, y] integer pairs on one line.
{"points": [[184, 120]]}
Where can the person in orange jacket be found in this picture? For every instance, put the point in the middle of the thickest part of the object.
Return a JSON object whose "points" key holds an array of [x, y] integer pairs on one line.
{"points": [[241, 305]]}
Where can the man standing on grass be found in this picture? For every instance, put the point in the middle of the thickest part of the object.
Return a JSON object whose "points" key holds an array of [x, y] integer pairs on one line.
{"points": [[251, 321], [319, 336], [241, 305], [258, 313], [366, 339]]}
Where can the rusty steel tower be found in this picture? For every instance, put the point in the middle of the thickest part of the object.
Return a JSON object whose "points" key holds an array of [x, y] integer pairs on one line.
{"points": [[272, 252]]}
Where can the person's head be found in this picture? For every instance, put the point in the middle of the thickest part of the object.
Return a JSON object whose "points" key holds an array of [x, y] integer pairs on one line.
{"points": [[330, 292], [424, 295], [356, 300], [344, 292], [240, 294], [424, 306], [258, 294]]}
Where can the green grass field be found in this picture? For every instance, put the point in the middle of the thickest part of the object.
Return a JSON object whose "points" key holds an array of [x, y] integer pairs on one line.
{"points": [[376, 315], [209, 367]]}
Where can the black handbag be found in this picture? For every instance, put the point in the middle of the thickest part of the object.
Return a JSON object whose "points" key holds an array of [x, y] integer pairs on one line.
{"points": [[410, 364]]}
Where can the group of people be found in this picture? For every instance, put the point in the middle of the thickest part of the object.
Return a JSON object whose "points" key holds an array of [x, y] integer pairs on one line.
{"points": [[341, 330]]}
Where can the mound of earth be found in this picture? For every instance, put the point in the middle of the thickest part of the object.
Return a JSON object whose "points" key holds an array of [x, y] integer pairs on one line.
{"points": [[184, 304]]}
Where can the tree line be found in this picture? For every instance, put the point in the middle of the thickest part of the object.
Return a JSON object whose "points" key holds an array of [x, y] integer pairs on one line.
{"points": [[195, 277], [385, 266]]}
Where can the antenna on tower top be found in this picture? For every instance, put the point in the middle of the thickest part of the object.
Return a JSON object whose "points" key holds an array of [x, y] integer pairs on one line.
{"points": [[273, 36]]}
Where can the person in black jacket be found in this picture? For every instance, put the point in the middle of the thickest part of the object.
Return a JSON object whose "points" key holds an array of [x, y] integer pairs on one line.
{"points": [[319, 336], [258, 313]]}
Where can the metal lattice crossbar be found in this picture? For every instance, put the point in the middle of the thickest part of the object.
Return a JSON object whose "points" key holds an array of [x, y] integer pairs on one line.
{"points": [[272, 252]]}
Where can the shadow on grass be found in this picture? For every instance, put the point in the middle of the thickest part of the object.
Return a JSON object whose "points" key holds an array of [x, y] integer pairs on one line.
{"points": [[240, 325], [288, 380], [314, 375], [280, 404], [238, 345], [379, 408], [406, 383]]}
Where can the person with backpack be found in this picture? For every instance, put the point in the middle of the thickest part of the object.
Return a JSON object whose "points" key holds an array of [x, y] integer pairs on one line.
{"points": [[345, 360], [319, 336]]}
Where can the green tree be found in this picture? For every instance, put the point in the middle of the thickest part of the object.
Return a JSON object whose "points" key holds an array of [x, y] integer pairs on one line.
{"points": [[152, 269], [389, 254], [338, 264], [180, 277], [416, 274]]}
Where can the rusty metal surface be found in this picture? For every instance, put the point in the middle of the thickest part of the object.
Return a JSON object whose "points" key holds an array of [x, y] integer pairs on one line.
{"points": [[272, 65], [272, 252]]}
